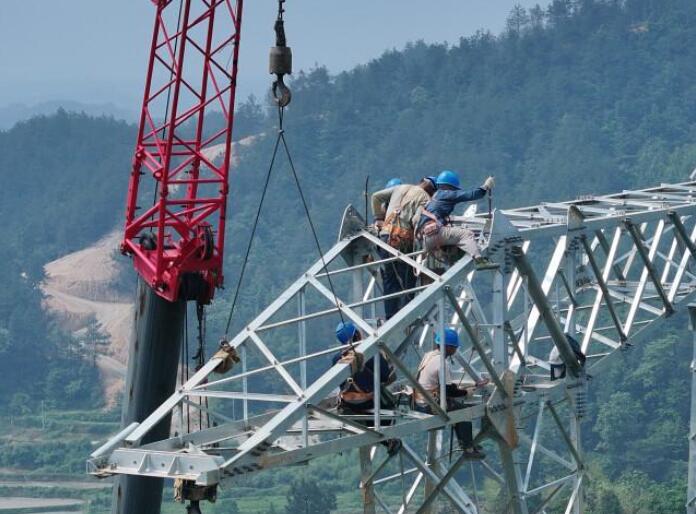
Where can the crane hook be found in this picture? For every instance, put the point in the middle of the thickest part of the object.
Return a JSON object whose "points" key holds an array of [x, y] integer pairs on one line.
{"points": [[281, 93], [280, 61]]}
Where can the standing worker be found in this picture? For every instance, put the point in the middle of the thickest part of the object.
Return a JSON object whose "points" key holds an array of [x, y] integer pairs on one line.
{"points": [[396, 226], [434, 226], [428, 377]]}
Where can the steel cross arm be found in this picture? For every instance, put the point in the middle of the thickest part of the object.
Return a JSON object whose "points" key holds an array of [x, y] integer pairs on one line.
{"points": [[638, 337], [603, 286], [443, 482], [638, 241], [475, 341], [390, 334], [403, 257], [533, 317], [605, 246], [515, 342], [605, 222], [465, 505], [681, 233], [276, 365], [366, 437], [542, 303], [363, 325], [566, 437], [163, 410]]}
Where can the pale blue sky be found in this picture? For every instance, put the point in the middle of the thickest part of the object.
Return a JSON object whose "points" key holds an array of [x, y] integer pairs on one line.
{"points": [[94, 51]]}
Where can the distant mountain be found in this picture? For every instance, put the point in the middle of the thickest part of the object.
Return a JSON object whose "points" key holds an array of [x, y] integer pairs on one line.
{"points": [[586, 96], [12, 113]]}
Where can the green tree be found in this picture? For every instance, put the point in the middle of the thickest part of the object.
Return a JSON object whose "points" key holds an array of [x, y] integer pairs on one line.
{"points": [[307, 496]]}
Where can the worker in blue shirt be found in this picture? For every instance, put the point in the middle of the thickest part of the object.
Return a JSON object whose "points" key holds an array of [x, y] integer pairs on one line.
{"points": [[357, 392], [434, 226]]}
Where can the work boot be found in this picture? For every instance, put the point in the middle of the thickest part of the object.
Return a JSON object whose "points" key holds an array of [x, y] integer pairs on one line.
{"points": [[473, 452]]}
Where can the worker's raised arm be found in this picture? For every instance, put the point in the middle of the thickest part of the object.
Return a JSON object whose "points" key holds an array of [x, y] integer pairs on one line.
{"points": [[461, 195], [380, 200]]}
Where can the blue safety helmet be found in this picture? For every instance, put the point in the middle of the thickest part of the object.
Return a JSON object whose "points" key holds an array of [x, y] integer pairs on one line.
{"points": [[394, 182], [448, 178], [451, 338], [345, 331]]}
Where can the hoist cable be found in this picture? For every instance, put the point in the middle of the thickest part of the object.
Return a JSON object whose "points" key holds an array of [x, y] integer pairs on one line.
{"points": [[186, 368], [251, 237], [280, 41], [307, 213]]}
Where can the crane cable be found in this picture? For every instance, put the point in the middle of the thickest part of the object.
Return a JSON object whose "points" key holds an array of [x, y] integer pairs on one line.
{"points": [[281, 64], [280, 139]]}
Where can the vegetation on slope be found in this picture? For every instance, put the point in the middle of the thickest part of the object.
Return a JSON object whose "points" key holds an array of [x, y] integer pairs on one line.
{"points": [[583, 97]]}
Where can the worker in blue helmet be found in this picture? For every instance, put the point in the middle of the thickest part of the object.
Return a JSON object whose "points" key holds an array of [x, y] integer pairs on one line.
{"points": [[393, 182], [428, 377], [356, 395], [396, 212], [434, 227]]}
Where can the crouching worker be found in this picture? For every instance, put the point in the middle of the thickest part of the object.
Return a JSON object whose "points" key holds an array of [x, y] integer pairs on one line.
{"points": [[356, 395], [557, 367], [429, 378], [434, 226]]}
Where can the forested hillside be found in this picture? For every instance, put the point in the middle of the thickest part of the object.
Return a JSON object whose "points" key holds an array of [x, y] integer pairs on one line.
{"points": [[586, 96]]}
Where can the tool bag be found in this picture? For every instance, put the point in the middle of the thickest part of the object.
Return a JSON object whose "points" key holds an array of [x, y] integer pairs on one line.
{"points": [[400, 234]]}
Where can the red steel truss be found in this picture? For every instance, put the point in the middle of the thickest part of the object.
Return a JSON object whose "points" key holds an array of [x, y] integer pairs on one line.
{"points": [[182, 157]]}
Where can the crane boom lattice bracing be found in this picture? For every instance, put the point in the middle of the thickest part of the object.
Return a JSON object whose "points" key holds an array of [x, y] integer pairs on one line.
{"points": [[181, 165], [608, 270], [182, 154]]}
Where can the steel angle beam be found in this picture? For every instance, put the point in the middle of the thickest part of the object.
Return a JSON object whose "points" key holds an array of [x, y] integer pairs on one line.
{"points": [[268, 438]]}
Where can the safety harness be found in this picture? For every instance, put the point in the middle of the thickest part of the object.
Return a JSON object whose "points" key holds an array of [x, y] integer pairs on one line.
{"points": [[399, 235], [351, 394], [430, 228]]}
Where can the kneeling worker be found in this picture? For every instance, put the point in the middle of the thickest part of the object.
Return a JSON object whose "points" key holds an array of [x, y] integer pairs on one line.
{"points": [[357, 392], [434, 226], [429, 378]]}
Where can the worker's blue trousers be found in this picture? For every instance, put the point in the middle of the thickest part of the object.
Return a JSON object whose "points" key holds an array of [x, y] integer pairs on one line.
{"points": [[396, 276]]}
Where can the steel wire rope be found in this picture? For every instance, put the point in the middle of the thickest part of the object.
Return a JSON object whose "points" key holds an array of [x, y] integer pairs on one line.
{"points": [[307, 213], [280, 138], [252, 236], [186, 368]]}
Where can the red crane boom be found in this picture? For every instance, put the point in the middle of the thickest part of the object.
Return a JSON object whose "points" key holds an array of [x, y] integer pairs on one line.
{"points": [[181, 156]]}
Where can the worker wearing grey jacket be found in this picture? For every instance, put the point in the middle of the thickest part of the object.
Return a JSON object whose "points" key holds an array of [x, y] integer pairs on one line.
{"points": [[396, 224]]}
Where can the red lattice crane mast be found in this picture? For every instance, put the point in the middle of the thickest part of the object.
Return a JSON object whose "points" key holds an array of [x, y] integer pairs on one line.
{"points": [[177, 243], [176, 206]]}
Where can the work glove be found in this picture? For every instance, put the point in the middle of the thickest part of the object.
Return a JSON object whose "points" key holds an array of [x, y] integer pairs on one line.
{"points": [[488, 184]]}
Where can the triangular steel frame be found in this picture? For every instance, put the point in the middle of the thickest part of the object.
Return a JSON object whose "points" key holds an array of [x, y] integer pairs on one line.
{"points": [[609, 270]]}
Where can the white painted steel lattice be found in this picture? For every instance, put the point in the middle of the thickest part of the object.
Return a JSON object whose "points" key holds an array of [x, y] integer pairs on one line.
{"points": [[608, 270]]}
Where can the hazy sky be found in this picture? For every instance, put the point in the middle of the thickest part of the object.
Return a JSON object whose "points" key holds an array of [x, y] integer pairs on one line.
{"points": [[94, 51]]}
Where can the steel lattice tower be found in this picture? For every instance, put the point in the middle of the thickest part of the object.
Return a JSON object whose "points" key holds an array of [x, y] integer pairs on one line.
{"points": [[610, 270]]}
